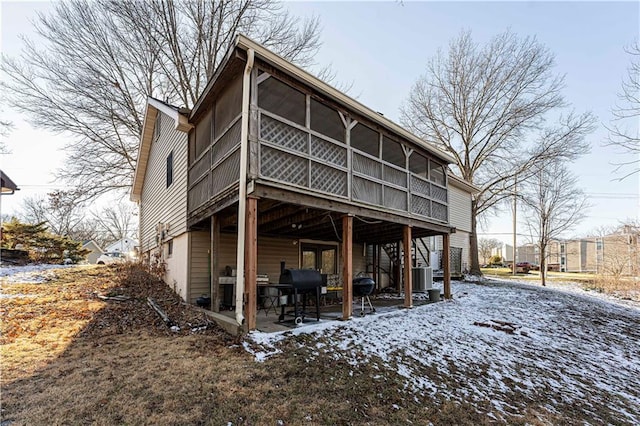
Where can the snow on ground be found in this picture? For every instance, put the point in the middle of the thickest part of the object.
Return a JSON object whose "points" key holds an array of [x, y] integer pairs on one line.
{"points": [[30, 274], [564, 349]]}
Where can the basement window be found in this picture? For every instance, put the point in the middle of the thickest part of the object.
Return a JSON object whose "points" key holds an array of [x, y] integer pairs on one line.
{"points": [[170, 248]]}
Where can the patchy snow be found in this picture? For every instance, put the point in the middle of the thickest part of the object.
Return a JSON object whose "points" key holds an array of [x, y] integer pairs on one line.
{"points": [[498, 342], [30, 274]]}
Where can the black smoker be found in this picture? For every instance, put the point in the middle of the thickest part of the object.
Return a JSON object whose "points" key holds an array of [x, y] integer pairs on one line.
{"points": [[363, 287], [304, 282]]}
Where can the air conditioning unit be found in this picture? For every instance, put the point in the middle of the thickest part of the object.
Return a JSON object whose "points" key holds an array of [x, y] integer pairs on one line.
{"points": [[422, 279]]}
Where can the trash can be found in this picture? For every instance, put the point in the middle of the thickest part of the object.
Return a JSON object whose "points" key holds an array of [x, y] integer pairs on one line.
{"points": [[434, 294]]}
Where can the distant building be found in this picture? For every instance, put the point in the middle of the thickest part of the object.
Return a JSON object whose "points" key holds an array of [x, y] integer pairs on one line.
{"points": [[505, 251], [95, 252], [125, 245]]}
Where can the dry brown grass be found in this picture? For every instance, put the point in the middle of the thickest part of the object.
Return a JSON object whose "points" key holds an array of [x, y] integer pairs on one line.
{"points": [[70, 358], [621, 287]]}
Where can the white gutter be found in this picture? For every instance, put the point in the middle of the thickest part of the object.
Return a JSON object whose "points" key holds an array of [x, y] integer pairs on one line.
{"points": [[242, 200]]}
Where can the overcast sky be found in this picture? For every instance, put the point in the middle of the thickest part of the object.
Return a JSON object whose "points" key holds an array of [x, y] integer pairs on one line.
{"points": [[382, 48]]}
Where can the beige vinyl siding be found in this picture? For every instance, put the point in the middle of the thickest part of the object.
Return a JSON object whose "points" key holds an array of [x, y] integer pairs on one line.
{"points": [[459, 209], [271, 251], [200, 244], [159, 204], [359, 260]]}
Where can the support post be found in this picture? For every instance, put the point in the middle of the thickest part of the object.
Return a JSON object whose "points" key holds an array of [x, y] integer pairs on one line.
{"points": [[347, 267], [215, 270], [406, 255], [446, 265], [251, 262]]}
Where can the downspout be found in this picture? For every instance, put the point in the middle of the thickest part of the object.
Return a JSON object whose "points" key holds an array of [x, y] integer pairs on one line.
{"points": [[242, 198]]}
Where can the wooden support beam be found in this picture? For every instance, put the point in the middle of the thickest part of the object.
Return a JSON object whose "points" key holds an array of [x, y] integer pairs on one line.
{"points": [[347, 267], [446, 265], [251, 262], [408, 287], [215, 269]]}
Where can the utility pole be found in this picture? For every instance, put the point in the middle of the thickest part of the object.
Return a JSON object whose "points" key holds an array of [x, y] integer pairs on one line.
{"points": [[515, 204]]}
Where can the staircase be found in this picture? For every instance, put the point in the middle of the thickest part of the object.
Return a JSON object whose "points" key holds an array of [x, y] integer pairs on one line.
{"points": [[419, 256]]}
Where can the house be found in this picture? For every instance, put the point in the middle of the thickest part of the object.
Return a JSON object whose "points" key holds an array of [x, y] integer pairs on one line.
{"points": [[124, 245], [505, 251], [6, 184], [94, 251], [274, 167]]}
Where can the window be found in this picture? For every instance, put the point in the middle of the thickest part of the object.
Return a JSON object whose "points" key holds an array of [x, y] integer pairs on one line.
{"points": [[326, 120], [366, 140], [169, 248], [599, 244], [170, 169], [282, 100]]}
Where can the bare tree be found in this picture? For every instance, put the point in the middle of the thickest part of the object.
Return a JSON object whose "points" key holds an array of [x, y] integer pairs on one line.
{"points": [[486, 245], [116, 222], [483, 104], [99, 60], [624, 132], [554, 204], [62, 211]]}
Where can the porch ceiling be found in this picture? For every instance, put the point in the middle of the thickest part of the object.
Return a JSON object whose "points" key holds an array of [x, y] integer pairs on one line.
{"points": [[287, 220]]}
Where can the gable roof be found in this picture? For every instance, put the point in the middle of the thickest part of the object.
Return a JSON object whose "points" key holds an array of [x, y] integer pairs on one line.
{"points": [[329, 91], [7, 185], [462, 184], [146, 138]]}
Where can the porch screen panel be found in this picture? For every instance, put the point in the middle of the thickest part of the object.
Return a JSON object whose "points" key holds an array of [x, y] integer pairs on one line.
{"points": [[225, 173], [329, 152], [439, 211], [420, 206], [198, 194], [228, 106], [328, 179], [395, 176], [395, 198], [282, 134], [200, 167], [226, 143], [367, 191], [419, 186], [283, 166], [367, 166], [438, 194]]}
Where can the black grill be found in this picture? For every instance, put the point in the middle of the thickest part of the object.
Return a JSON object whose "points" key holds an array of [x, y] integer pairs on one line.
{"points": [[363, 287], [304, 282]]}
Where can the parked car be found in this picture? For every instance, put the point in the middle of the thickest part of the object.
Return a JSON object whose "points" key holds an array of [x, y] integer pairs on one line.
{"points": [[523, 267], [111, 257]]}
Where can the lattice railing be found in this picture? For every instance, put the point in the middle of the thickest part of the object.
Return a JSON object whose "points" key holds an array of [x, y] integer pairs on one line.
{"points": [[292, 154]]}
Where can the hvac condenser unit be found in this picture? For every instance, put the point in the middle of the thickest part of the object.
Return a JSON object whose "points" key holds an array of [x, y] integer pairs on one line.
{"points": [[422, 279]]}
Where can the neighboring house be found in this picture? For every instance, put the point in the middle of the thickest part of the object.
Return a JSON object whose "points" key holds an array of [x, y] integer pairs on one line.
{"points": [[6, 184], [274, 166], [528, 253], [125, 245], [94, 253], [617, 253], [505, 251]]}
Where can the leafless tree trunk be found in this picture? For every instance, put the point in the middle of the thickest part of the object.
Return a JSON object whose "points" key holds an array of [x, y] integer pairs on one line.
{"points": [[487, 107], [624, 131], [115, 222], [554, 205], [96, 63]]}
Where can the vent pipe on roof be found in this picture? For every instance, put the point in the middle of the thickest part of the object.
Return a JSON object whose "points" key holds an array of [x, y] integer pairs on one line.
{"points": [[242, 197]]}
